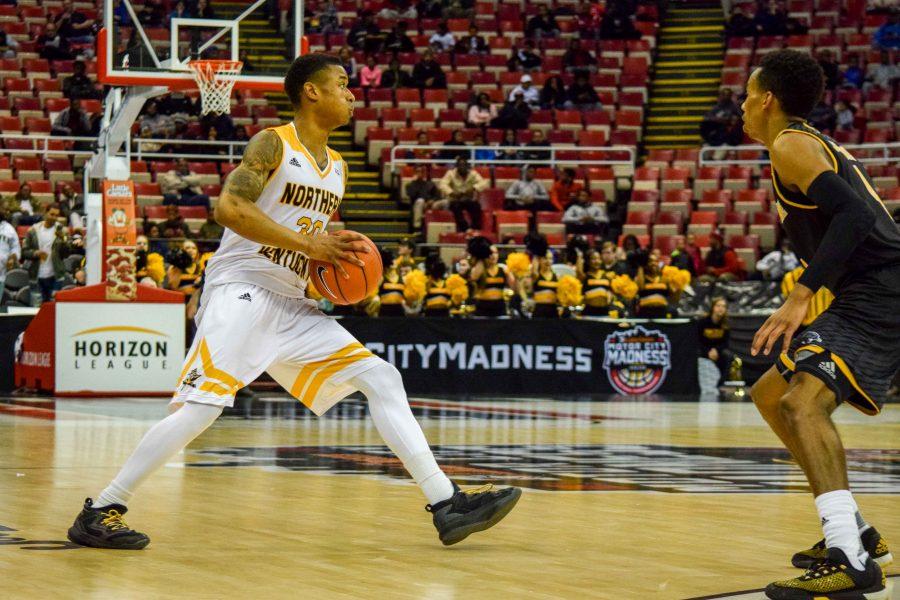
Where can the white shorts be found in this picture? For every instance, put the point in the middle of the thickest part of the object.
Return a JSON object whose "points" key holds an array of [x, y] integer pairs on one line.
{"points": [[243, 330]]}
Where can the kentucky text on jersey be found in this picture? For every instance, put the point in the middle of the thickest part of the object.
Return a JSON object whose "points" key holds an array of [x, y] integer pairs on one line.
{"points": [[295, 261]]}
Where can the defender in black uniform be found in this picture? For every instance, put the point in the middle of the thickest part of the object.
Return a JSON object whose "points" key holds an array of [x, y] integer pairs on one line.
{"points": [[848, 243]]}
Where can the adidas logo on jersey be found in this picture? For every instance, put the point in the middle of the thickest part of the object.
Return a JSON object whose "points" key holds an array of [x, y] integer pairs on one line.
{"points": [[245, 296], [828, 367], [294, 162]]}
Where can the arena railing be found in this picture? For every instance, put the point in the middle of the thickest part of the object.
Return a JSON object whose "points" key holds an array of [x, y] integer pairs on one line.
{"points": [[552, 160], [883, 154]]}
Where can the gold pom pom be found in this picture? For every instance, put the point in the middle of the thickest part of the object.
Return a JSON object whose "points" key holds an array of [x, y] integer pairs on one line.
{"points": [[459, 289], [624, 287], [568, 291], [519, 264], [414, 286]]}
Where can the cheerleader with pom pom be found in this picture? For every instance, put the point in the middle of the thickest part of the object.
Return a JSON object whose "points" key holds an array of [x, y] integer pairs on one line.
{"points": [[543, 288], [491, 279], [438, 296], [392, 291]]}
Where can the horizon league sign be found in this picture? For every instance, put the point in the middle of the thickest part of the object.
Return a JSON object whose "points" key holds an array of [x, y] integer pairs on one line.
{"points": [[534, 357]]}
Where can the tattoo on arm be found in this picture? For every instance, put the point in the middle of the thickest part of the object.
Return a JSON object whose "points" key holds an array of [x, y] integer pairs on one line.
{"points": [[261, 156]]}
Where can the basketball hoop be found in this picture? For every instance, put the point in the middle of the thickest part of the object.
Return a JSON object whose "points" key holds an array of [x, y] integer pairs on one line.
{"points": [[215, 78]]}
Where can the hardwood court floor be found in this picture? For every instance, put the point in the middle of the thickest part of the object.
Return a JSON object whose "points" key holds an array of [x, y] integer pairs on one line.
{"points": [[623, 500]]}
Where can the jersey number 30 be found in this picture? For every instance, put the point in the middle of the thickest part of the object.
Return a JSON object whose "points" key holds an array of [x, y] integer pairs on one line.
{"points": [[308, 227]]}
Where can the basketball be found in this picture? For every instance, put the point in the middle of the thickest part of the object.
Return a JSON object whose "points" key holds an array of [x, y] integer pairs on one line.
{"points": [[363, 281]]}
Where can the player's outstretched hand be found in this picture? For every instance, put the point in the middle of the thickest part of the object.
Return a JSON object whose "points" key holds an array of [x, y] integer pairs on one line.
{"points": [[784, 321], [335, 248]]}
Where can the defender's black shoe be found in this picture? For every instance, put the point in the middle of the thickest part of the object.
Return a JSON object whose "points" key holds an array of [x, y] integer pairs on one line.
{"points": [[469, 511], [834, 578], [872, 543], [105, 528]]}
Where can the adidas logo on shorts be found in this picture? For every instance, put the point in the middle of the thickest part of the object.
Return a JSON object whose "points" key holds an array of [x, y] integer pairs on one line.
{"points": [[245, 296], [828, 367], [295, 163]]}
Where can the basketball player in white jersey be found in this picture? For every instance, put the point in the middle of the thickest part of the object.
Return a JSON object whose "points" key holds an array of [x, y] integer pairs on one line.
{"points": [[255, 317]]}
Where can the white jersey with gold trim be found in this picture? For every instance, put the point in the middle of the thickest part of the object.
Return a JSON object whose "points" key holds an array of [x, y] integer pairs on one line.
{"points": [[298, 195]]}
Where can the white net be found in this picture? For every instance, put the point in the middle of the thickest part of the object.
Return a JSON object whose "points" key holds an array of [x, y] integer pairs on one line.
{"points": [[216, 79]]}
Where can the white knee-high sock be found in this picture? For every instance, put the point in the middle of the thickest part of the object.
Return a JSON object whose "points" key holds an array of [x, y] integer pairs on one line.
{"points": [[860, 522], [838, 513], [162, 442], [389, 407]]}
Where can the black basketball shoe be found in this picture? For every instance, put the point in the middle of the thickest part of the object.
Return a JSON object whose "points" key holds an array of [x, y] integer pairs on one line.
{"points": [[834, 578], [469, 511], [105, 528], [872, 542]]}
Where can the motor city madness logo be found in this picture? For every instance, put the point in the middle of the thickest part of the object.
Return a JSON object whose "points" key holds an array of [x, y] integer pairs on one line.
{"points": [[637, 360]]}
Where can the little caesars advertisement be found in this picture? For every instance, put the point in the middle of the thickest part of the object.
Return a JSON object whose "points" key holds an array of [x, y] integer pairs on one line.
{"points": [[105, 347]]}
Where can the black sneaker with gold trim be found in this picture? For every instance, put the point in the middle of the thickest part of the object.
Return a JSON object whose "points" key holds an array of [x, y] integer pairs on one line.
{"points": [[872, 542], [105, 528], [469, 511], [834, 578]]}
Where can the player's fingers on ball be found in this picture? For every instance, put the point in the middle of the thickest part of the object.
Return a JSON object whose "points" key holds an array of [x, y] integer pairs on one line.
{"points": [[341, 270], [351, 258]]}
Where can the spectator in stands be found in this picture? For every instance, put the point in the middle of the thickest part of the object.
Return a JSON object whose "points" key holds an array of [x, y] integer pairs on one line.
{"points": [[525, 58], [325, 19], [719, 119], [530, 93], [74, 26], [582, 95], [395, 77], [210, 230], [774, 265], [578, 58], [854, 75], [714, 336], [180, 187], [398, 40], [183, 273], [722, 262], [160, 125], [617, 23], [178, 106], [244, 57], [121, 17], [845, 113], [450, 155], [584, 216], [553, 94], [79, 85], [10, 248], [772, 20], [482, 154], [887, 37], [345, 54], [884, 74], [21, 207], [427, 74], [442, 40], [46, 245], [430, 9], [401, 9], [71, 205], [823, 117], [481, 112], [72, 121], [422, 195], [421, 153], [8, 45], [514, 114], [459, 9], [564, 189], [460, 187], [831, 68], [741, 22], [587, 20], [153, 13], [608, 260], [204, 10], [365, 35], [542, 24], [537, 141], [180, 12], [472, 43], [51, 46], [511, 140], [686, 255], [528, 194], [370, 75], [150, 268], [174, 225]]}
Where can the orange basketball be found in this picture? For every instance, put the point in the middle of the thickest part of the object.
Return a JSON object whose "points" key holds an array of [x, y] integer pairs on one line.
{"points": [[362, 283]]}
